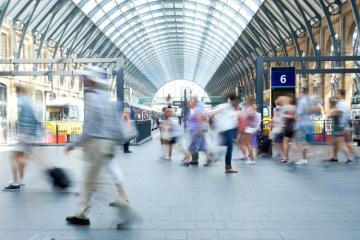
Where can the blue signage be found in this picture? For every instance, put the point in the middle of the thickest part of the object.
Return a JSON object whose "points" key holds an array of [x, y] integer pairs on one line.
{"points": [[283, 77]]}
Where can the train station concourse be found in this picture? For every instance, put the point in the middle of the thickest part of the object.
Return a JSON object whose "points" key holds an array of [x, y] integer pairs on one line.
{"points": [[179, 119]]}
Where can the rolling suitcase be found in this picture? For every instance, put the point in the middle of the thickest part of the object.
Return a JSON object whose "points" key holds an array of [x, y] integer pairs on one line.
{"points": [[59, 178]]}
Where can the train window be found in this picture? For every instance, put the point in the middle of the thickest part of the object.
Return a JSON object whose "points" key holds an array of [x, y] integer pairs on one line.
{"points": [[73, 113], [53, 113]]}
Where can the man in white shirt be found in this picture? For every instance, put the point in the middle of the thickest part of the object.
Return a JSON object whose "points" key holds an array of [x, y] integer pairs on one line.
{"points": [[226, 124]]}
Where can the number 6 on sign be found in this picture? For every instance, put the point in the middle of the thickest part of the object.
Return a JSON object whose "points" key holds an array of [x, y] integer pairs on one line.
{"points": [[283, 79]]}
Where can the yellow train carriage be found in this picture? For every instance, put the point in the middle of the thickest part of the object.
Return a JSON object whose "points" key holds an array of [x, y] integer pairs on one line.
{"points": [[64, 127], [266, 120], [64, 118]]}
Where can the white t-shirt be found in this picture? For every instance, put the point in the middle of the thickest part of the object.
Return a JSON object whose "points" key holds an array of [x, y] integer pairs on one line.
{"points": [[344, 108], [175, 130], [226, 117]]}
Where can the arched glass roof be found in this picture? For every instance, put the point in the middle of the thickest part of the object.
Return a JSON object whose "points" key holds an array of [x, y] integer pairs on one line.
{"points": [[172, 39]]}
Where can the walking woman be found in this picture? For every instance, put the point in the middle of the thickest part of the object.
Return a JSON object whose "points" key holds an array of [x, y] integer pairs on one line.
{"points": [[196, 127], [250, 128], [289, 119]]}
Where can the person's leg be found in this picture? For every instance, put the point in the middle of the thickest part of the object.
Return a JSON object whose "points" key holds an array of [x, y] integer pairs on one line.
{"points": [[126, 147], [21, 167], [17, 162], [229, 135], [91, 178], [304, 152], [343, 146], [241, 144], [351, 148], [286, 149], [335, 146], [249, 146], [170, 146]]}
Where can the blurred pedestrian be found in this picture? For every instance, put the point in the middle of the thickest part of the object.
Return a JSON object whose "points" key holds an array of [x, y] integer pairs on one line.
{"points": [[174, 132], [338, 138], [305, 125], [241, 119], [289, 110], [345, 120], [127, 120], [226, 124], [99, 144], [277, 127], [250, 127], [162, 130], [28, 134], [196, 126]]}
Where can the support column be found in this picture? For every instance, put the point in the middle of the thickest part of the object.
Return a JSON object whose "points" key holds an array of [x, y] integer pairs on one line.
{"points": [[120, 86], [260, 87]]}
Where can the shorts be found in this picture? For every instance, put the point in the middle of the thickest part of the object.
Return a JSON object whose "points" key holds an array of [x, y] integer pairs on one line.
{"points": [[304, 134], [24, 147], [278, 138], [25, 143], [289, 133], [173, 140]]}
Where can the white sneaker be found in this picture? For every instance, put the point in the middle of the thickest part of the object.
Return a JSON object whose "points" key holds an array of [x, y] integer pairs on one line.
{"points": [[250, 162], [302, 162]]}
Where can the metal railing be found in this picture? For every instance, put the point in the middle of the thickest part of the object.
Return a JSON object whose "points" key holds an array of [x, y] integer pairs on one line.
{"points": [[61, 132], [144, 129], [49, 132], [322, 130]]}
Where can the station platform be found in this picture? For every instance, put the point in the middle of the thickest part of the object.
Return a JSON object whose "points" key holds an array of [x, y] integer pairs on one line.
{"points": [[268, 200]]}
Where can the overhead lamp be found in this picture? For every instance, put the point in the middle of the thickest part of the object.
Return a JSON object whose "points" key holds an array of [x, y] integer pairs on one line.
{"points": [[288, 41], [300, 32], [279, 47], [19, 25], [37, 35], [51, 43], [315, 22], [64, 50], [334, 8]]}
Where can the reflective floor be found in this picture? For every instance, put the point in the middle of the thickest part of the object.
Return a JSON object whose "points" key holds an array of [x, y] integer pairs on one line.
{"points": [[265, 201]]}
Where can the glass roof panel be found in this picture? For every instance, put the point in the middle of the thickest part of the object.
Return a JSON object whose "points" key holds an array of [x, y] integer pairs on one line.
{"points": [[136, 26]]}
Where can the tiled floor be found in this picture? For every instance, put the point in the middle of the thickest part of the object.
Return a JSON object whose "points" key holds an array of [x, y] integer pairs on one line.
{"points": [[264, 201]]}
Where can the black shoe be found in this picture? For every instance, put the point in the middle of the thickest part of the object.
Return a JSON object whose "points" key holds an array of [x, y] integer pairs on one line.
{"points": [[114, 204], [77, 221], [185, 163], [349, 161], [331, 160], [208, 163], [128, 151], [192, 162], [12, 188]]}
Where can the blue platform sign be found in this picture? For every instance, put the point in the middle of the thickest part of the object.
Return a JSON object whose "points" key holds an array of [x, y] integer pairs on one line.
{"points": [[283, 77]]}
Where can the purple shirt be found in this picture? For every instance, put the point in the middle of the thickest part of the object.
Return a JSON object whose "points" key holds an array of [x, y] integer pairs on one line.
{"points": [[193, 123]]}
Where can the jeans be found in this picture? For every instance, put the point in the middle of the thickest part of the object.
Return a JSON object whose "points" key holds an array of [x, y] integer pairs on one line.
{"points": [[228, 138]]}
